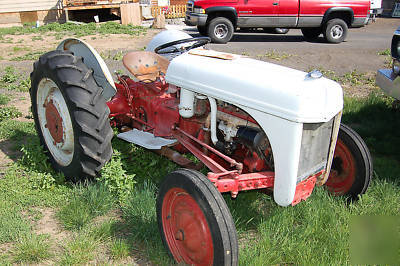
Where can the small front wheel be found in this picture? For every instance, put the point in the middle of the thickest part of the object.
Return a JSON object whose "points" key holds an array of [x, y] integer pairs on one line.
{"points": [[194, 221], [220, 30], [351, 170], [335, 30]]}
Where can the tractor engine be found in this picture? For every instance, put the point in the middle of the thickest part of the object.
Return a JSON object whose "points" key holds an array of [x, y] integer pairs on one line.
{"points": [[159, 107]]}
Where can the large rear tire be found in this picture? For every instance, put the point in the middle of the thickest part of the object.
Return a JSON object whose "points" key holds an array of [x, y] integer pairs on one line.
{"points": [[71, 116], [194, 221], [352, 168]]}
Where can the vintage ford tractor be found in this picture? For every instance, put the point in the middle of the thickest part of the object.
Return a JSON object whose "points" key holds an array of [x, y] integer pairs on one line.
{"points": [[253, 124]]}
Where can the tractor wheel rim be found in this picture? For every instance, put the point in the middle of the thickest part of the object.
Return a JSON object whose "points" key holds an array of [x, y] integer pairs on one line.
{"points": [[336, 31], [221, 31], [343, 174], [55, 121], [186, 229]]}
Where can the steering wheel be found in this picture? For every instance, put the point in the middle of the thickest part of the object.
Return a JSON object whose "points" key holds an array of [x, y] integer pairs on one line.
{"points": [[198, 41]]}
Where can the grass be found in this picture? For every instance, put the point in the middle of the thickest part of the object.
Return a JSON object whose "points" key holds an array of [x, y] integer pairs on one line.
{"points": [[32, 248], [72, 29], [4, 99], [11, 78], [86, 203], [275, 55]]}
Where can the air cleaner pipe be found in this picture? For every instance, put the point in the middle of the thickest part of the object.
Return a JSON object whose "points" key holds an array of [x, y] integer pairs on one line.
{"points": [[213, 106]]}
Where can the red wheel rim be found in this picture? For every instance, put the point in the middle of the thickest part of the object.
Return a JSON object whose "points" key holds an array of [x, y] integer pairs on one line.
{"points": [[342, 178], [54, 122], [186, 229]]}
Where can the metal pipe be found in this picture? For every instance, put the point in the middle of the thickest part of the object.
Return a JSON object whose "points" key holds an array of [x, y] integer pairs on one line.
{"points": [[177, 158], [213, 106]]}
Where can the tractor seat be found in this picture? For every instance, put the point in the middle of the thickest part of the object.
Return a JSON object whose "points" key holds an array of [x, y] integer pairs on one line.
{"points": [[145, 66]]}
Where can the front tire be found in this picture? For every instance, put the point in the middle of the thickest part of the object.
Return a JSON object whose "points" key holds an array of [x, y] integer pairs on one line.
{"points": [[335, 31], [71, 116], [194, 221], [220, 30], [351, 170]]}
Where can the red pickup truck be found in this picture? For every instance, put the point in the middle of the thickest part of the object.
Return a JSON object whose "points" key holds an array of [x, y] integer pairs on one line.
{"points": [[218, 19]]}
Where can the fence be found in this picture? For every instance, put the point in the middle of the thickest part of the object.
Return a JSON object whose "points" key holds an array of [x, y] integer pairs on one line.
{"points": [[92, 2], [176, 11]]}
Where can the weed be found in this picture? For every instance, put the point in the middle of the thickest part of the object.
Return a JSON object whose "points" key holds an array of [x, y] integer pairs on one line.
{"points": [[72, 29], [20, 48], [4, 99], [276, 55], [119, 249], [28, 56], [115, 178], [37, 38], [32, 248], [9, 112], [10, 78], [385, 52], [118, 56], [9, 75]]}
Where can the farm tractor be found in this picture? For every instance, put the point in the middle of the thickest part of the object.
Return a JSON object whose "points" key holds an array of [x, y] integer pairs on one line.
{"points": [[254, 125]]}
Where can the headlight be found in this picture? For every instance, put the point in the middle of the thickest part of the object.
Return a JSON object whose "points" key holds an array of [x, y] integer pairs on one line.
{"points": [[396, 67], [199, 10]]}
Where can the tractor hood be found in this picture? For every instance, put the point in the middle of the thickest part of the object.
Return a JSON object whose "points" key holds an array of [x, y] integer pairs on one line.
{"points": [[280, 91]]}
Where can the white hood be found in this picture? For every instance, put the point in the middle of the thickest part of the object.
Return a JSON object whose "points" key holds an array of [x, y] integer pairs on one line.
{"points": [[269, 88]]}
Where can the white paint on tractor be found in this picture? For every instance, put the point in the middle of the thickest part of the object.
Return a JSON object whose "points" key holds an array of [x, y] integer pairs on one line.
{"points": [[48, 91]]}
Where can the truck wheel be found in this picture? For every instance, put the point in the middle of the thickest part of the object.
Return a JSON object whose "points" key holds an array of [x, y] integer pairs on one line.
{"points": [[202, 30], [220, 30], [71, 116], [335, 31], [311, 33], [194, 221], [351, 170]]}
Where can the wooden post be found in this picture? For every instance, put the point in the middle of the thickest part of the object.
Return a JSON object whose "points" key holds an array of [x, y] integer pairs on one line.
{"points": [[130, 14]]}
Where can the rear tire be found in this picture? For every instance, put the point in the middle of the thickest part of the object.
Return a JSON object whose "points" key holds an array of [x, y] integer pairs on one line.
{"points": [[311, 33], [202, 30], [194, 221], [352, 168], [71, 116], [335, 31], [220, 30]]}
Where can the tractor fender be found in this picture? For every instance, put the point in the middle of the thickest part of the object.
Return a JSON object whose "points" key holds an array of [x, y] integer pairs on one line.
{"points": [[93, 61]]}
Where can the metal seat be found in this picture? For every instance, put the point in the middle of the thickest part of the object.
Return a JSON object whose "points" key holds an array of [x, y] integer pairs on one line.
{"points": [[145, 66]]}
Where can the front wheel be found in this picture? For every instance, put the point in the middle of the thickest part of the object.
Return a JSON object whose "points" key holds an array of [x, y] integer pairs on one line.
{"points": [[335, 31], [194, 221], [71, 116], [351, 170], [220, 30]]}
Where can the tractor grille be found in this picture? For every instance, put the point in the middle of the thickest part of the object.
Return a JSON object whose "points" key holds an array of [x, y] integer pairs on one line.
{"points": [[189, 6], [314, 151]]}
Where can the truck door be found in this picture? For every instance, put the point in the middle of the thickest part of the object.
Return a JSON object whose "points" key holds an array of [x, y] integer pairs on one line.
{"points": [[257, 13], [288, 11]]}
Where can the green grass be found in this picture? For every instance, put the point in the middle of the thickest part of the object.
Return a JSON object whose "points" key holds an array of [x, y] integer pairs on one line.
{"points": [[86, 203], [72, 29], [11, 79], [119, 249], [28, 56], [80, 250], [4, 99], [9, 112], [32, 248]]}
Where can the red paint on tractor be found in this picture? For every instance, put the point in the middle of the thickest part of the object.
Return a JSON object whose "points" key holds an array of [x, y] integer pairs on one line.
{"points": [[343, 175], [186, 229], [305, 188], [54, 122]]}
